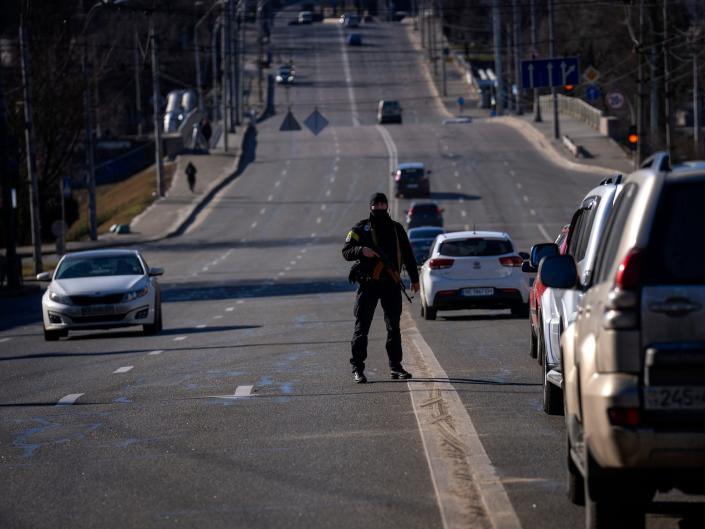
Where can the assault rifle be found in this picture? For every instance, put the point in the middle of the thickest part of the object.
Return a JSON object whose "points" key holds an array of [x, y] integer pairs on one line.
{"points": [[384, 265]]}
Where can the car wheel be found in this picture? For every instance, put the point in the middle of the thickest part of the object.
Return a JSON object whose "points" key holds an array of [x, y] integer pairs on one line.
{"points": [[552, 394], [52, 336], [428, 312], [612, 506], [533, 347], [151, 329], [520, 310], [540, 347]]}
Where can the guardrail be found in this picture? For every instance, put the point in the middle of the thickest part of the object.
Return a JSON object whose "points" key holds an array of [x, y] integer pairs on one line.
{"points": [[573, 107]]}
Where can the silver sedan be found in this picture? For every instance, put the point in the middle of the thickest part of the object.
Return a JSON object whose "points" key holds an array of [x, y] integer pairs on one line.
{"points": [[101, 289]]}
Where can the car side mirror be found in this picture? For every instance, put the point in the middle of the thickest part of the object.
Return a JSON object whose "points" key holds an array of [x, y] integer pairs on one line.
{"points": [[524, 256], [539, 251], [558, 271], [44, 276], [155, 271], [527, 268]]}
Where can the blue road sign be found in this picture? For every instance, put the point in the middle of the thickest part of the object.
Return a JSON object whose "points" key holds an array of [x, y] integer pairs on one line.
{"points": [[543, 73], [592, 93]]}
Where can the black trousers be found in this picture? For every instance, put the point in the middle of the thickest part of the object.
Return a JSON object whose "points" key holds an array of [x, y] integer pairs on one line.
{"points": [[368, 294]]}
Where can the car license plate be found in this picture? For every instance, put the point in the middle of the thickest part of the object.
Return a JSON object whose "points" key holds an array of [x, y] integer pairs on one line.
{"points": [[98, 310], [481, 291], [674, 398]]}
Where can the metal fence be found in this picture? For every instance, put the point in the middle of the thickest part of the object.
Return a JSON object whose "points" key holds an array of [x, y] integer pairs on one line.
{"points": [[574, 107]]}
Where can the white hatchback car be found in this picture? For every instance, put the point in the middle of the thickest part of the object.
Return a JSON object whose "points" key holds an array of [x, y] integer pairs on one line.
{"points": [[473, 270], [101, 289]]}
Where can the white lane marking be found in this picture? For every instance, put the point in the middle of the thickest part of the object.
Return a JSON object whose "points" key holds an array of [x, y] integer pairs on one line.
{"points": [[454, 164], [319, 220], [506, 162], [304, 250], [201, 326], [69, 399], [445, 147], [313, 235], [180, 338], [277, 183], [287, 162], [238, 302], [155, 353], [299, 257], [337, 159], [253, 225], [218, 317], [323, 206], [519, 186], [511, 172], [464, 213], [525, 198], [241, 392], [348, 79], [335, 168], [444, 421], [284, 171], [327, 192], [332, 179], [393, 161], [292, 263], [532, 211], [461, 200], [544, 232], [123, 369], [205, 269], [287, 269], [230, 309], [456, 173], [458, 186], [281, 274], [270, 198], [3, 340], [262, 211]]}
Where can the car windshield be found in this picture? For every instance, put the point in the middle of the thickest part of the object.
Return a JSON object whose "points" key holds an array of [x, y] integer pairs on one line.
{"points": [[424, 233], [475, 247], [109, 265], [390, 105]]}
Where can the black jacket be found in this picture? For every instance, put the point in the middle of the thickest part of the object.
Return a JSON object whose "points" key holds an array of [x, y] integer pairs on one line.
{"points": [[363, 234]]}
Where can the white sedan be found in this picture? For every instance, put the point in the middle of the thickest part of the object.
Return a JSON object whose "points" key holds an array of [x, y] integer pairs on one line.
{"points": [[101, 289], [473, 270]]}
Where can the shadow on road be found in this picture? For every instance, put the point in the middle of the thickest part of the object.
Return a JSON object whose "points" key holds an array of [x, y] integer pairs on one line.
{"points": [[195, 291]]}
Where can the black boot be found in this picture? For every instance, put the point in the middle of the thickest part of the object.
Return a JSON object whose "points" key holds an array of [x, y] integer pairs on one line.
{"points": [[399, 373], [359, 377]]}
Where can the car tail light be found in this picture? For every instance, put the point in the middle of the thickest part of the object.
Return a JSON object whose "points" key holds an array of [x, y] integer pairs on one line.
{"points": [[440, 263], [631, 270], [397, 177], [624, 416], [512, 260], [444, 293]]}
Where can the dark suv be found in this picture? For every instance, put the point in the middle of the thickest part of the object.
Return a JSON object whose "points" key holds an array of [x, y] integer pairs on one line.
{"points": [[411, 179], [424, 214]]}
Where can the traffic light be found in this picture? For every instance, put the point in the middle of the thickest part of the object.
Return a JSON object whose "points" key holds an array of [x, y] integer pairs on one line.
{"points": [[632, 138], [569, 89]]}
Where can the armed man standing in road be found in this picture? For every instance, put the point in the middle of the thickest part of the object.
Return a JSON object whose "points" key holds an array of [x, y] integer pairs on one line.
{"points": [[380, 246]]}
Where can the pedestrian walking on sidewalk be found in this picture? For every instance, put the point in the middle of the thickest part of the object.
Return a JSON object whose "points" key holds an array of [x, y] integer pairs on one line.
{"points": [[191, 176], [206, 131], [379, 246]]}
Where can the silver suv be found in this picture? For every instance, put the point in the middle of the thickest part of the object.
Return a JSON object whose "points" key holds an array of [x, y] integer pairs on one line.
{"points": [[634, 359]]}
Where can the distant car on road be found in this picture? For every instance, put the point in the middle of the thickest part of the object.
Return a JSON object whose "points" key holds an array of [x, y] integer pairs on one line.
{"points": [[285, 74], [473, 270], [101, 289], [305, 17], [424, 214], [354, 39], [411, 179], [421, 240], [350, 20], [389, 111]]}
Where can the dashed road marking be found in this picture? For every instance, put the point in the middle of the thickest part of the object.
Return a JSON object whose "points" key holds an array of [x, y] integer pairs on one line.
{"points": [[3, 340], [253, 225], [284, 171], [532, 211], [456, 173], [230, 309], [262, 211], [155, 353], [180, 338], [201, 326], [287, 269], [525, 198], [519, 186], [281, 274], [323, 207], [506, 162], [511, 172], [243, 391], [292, 263], [277, 183], [313, 235], [464, 213], [299, 257], [335, 168], [69, 399], [332, 179], [218, 317], [123, 369], [319, 220], [458, 186], [270, 198]]}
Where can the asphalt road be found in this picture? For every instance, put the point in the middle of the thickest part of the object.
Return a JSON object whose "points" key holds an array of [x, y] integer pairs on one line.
{"points": [[256, 303]]}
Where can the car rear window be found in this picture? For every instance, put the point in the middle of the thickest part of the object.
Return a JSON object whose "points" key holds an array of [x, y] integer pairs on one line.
{"points": [[425, 209], [99, 266], [412, 173], [423, 233], [475, 247], [677, 248]]}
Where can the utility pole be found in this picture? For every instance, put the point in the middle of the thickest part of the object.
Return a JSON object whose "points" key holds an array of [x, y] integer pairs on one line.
{"points": [[260, 49], [138, 85], [242, 30], [156, 96], [552, 54], [640, 82], [534, 51], [230, 62], [497, 30], [31, 155], [199, 80], [90, 143], [509, 46], [225, 92], [14, 273], [214, 57], [434, 51], [666, 78], [516, 15]]}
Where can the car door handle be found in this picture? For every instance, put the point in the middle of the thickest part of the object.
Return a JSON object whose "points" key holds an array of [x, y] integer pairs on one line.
{"points": [[675, 306]]}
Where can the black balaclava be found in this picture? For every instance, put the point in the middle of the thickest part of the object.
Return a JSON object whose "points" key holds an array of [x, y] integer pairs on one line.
{"points": [[383, 226]]}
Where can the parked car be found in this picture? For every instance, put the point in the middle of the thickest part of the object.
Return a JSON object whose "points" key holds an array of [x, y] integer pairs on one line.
{"points": [[286, 74], [421, 240], [634, 375], [558, 308], [354, 39], [101, 289], [305, 17], [473, 270], [411, 179], [349, 20], [536, 290], [389, 111], [424, 214]]}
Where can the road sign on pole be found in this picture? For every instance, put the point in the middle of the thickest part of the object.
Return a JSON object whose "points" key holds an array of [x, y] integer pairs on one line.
{"points": [[592, 93], [289, 123], [316, 122], [545, 73]]}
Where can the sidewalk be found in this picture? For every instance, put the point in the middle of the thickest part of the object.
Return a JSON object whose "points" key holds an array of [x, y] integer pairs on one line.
{"points": [[606, 156]]}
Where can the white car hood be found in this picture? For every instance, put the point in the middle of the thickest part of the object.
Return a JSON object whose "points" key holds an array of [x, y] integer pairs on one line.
{"points": [[89, 286]]}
